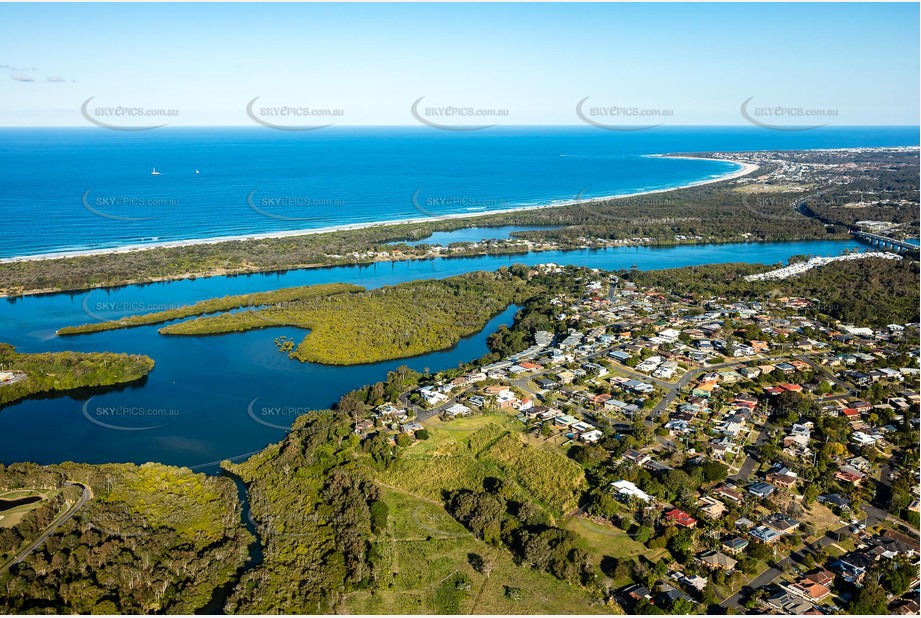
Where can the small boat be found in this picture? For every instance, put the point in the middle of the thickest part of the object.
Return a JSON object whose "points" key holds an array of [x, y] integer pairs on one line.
{"points": [[196, 171], [154, 172]]}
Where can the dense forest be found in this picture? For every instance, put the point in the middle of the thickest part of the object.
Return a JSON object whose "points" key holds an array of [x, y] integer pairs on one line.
{"points": [[153, 539], [216, 305], [316, 515], [62, 371], [871, 292], [386, 323]]}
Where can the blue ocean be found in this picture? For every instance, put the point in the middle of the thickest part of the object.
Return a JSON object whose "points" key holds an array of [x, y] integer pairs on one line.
{"points": [[84, 188]]}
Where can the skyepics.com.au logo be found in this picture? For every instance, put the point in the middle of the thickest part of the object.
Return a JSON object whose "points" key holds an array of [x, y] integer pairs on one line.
{"points": [[117, 207], [456, 117], [629, 208], [622, 117], [441, 206], [109, 310], [789, 207], [780, 117], [275, 416], [293, 207], [126, 117], [128, 418], [292, 117]]}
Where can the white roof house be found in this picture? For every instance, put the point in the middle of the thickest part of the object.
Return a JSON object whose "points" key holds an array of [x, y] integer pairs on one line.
{"points": [[626, 488]]}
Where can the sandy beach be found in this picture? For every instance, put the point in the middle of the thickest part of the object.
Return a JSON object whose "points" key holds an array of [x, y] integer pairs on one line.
{"points": [[745, 169]]}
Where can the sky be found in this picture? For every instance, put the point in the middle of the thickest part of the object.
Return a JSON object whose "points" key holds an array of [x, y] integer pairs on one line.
{"points": [[521, 64]]}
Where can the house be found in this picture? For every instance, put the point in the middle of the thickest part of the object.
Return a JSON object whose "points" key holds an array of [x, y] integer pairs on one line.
{"points": [[835, 500], [635, 456], [717, 560], [566, 377], [363, 427], [697, 582], [590, 437], [781, 480], [457, 410], [822, 577], [735, 544], [761, 490], [431, 396], [787, 603], [636, 593], [729, 493], [627, 490], [849, 474], [906, 607], [850, 413], [711, 507], [862, 438], [765, 534], [412, 427], [781, 523], [681, 518], [620, 355], [749, 373]]}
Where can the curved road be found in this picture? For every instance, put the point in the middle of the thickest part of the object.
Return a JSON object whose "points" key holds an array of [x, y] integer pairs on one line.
{"points": [[84, 497]]}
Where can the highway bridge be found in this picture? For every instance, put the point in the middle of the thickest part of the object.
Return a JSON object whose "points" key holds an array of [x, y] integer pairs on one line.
{"points": [[884, 242]]}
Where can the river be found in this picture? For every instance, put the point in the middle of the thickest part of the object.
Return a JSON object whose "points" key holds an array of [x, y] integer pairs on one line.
{"points": [[210, 398]]}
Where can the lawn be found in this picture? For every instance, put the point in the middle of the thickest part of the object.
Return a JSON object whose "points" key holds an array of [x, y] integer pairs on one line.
{"points": [[609, 540], [822, 518], [447, 437], [431, 551], [463, 453]]}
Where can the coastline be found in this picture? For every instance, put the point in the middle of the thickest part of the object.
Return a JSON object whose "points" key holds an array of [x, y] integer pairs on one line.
{"points": [[744, 169]]}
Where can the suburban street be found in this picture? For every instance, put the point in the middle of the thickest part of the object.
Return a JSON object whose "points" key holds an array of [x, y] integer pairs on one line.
{"points": [[874, 516]]}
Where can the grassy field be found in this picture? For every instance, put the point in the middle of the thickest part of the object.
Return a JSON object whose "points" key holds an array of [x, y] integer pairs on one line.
{"points": [[461, 454], [430, 553], [553, 480], [609, 540], [11, 517], [822, 518]]}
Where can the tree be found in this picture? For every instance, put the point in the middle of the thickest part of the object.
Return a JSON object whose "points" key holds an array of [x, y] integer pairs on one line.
{"points": [[869, 601], [713, 471], [403, 440]]}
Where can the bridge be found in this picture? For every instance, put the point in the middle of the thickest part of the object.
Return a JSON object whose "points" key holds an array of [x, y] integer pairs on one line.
{"points": [[884, 242]]}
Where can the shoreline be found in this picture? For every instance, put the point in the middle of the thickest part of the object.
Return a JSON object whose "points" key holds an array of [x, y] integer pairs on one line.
{"points": [[744, 170]]}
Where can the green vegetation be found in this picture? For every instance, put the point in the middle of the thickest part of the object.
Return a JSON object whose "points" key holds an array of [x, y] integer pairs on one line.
{"points": [[280, 297], [352, 526], [391, 322], [873, 292], [51, 372], [314, 516], [547, 476], [439, 567], [152, 539]]}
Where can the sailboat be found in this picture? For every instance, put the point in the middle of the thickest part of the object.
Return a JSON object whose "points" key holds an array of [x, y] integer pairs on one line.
{"points": [[154, 172]]}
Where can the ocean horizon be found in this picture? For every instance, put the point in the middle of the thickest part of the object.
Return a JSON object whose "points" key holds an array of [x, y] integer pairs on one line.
{"points": [[73, 189]]}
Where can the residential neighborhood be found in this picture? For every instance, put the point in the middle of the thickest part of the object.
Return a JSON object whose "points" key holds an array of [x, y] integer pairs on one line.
{"points": [[760, 446]]}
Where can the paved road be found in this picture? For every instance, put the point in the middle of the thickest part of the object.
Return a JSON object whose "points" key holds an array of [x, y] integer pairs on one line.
{"points": [[766, 577], [750, 462], [845, 386], [84, 497]]}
